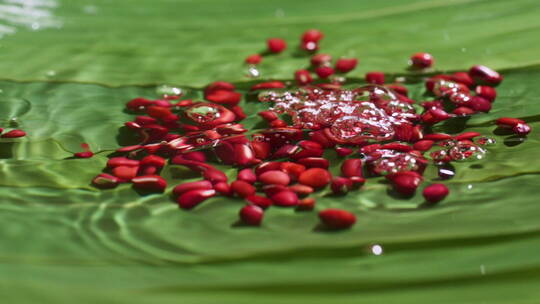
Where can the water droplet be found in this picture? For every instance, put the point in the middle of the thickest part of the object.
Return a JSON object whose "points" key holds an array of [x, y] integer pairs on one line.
{"points": [[377, 249], [203, 113], [50, 73], [446, 171], [253, 72], [13, 122], [466, 151], [169, 90], [390, 161], [486, 141], [35, 26]]}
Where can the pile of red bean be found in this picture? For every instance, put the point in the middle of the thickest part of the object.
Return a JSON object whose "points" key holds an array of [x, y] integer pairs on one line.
{"points": [[284, 163]]}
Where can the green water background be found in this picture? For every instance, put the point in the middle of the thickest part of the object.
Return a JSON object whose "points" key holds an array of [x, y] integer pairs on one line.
{"points": [[66, 81]]}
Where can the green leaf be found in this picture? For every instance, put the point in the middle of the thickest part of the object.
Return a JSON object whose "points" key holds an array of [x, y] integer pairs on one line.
{"points": [[62, 239]]}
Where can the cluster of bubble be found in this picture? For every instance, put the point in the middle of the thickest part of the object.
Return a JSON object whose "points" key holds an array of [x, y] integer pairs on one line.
{"points": [[364, 113]]}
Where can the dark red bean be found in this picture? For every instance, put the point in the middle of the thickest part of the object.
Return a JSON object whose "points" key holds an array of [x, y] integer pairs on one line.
{"points": [[406, 183], [521, 129], [85, 154], [214, 175], [337, 218], [484, 75], [438, 136], [243, 154], [463, 78], [486, 92], [435, 193], [292, 169], [251, 215], [479, 104], [463, 111]]}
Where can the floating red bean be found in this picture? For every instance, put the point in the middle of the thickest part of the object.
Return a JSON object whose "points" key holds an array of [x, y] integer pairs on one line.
{"points": [[276, 45], [421, 60], [435, 193], [324, 71], [345, 65], [251, 215], [375, 78], [254, 59], [337, 218]]}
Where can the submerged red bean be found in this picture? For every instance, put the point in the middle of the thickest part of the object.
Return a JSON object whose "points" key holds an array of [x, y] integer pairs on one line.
{"points": [[337, 218]]}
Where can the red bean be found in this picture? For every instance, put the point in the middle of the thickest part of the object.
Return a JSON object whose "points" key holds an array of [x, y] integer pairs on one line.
{"points": [[306, 204], [435, 193], [421, 60], [312, 35], [150, 183], [352, 167], [268, 85], [467, 135], [223, 188], [438, 136], [324, 71], [337, 218], [242, 188], [521, 129], [315, 177], [193, 198], [406, 183], [185, 187], [301, 190], [314, 162], [345, 65], [285, 198], [247, 175], [375, 78], [303, 77], [259, 201], [153, 160], [320, 59], [484, 75], [243, 154], [105, 181], [509, 122], [423, 145], [343, 151], [224, 97], [341, 185], [251, 215], [276, 45], [274, 177], [124, 172], [268, 115], [254, 59], [479, 104]]}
